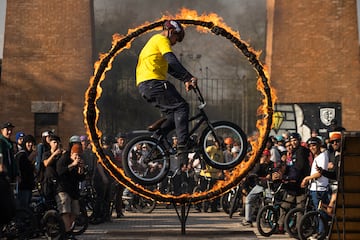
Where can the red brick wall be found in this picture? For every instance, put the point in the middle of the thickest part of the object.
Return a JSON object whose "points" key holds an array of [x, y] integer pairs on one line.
{"points": [[47, 57], [315, 54]]}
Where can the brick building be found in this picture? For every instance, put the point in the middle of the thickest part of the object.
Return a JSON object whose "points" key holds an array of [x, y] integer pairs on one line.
{"points": [[313, 55], [47, 65]]}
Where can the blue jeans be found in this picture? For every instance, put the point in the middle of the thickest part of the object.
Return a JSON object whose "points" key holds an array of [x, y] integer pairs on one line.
{"points": [[316, 196], [250, 200], [164, 96]]}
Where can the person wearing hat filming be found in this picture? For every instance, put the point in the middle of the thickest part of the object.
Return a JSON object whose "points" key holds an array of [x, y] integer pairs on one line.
{"points": [[70, 170], [318, 183], [155, 61]]}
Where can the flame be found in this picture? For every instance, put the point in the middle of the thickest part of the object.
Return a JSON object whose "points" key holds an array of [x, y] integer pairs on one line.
{"points": [[205, 23]]}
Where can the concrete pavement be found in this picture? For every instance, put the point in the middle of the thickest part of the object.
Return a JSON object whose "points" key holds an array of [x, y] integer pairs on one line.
{"points": [[164, 223]]}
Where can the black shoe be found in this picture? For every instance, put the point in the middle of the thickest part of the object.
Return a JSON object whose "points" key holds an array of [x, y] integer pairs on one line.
{"points": [[119, 215], [70, 236]]}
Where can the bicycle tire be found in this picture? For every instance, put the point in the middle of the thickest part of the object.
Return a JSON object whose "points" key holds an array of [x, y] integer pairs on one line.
{"points": [[290, 222], [235, 202], [309, 224], [222, 130], [267, 220], [144, 205], [81, 222], [53, 225], [146, 167], [225, 201]]}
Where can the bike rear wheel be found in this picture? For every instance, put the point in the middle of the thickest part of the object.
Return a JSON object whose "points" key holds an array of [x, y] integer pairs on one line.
{"points": [[291, 224], [216, 133], [266, 220], [145, 160]]}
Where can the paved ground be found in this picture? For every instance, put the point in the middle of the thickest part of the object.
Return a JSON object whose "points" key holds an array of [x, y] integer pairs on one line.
{"points": [[164, 224]]}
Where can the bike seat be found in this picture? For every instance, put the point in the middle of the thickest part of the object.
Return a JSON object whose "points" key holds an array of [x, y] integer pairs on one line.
{"points": [[156, 125]]}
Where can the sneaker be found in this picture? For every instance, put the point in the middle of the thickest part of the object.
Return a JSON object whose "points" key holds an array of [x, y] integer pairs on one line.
{"points": [[246, 223], [279, 230]]}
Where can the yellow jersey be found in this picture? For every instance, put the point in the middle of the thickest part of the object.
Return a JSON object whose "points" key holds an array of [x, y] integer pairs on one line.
{"points": [[151, 63]]}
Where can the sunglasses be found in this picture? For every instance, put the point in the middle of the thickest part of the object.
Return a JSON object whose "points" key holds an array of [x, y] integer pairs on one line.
{"points": [[335, 141]]}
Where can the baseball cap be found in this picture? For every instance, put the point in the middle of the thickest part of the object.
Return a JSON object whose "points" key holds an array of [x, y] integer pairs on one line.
{"points": [[75, 139], [19, 135], [335, 136], [7, 125]]}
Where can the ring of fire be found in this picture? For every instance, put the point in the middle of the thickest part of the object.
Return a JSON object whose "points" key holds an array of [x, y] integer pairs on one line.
{"points": [[264, 123]]}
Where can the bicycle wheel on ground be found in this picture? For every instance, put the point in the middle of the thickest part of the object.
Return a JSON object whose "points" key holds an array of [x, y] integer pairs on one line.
{"points": [[145, 160], [144, 205], [53, 225], [266, 220], [291, 221], [215, 135], [235, 202], [309, 226], [225, 201]]}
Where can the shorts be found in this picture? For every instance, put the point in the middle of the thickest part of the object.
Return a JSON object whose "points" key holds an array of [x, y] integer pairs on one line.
{"points": [[65, 204]]}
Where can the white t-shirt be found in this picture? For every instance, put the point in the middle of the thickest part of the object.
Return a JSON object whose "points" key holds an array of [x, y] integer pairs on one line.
{"points": [[322, 182]]}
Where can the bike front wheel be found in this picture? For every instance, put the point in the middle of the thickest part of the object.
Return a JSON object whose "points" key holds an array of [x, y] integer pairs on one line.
{"points": [[145, 160], [212, 145], [267, 220], [309, 226]]}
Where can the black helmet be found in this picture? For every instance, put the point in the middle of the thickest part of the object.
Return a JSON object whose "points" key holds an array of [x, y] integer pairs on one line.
{"points": [[295, 135], [107, 140], [178, 29]]}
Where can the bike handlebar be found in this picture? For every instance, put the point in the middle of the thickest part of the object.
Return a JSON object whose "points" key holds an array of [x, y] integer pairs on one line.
{"points": [[198, 94]]}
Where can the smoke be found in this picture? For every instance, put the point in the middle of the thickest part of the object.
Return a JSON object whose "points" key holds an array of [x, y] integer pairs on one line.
{"points": [[206, 56]]}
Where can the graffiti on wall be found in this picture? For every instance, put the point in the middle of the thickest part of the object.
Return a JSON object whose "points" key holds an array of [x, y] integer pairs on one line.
{"points": [[303, 117]]}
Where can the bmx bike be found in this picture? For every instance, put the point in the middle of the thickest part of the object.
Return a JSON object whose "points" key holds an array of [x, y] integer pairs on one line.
{"points": [[146, 159]]}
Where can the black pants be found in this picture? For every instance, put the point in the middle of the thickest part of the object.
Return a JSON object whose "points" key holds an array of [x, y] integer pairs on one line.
{"points": [[164, 96]]}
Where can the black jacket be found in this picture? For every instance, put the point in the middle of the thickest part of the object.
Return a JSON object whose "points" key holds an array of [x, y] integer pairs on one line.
{"points": [[68, 179]]}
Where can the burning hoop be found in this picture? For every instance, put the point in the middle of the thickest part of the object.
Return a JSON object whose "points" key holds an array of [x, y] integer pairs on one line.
{"points": [[213, 24]]}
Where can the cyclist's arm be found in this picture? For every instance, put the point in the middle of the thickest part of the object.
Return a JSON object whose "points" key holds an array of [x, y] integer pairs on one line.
{"points": [[176, 69]]}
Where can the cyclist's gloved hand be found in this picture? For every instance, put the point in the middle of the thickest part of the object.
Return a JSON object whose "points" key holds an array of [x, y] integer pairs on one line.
{"points": [[191, 84]]}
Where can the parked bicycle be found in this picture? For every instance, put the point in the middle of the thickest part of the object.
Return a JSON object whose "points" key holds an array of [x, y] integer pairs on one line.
{"points": [[146, 159], [311, 221], [268, 216]]}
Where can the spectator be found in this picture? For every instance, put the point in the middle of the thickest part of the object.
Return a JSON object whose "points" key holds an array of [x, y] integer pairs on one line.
{"points": [[331, 173], [102, 185], [19, 137], [117, 150], [42, 147], [70, 170], [27, 170], [263, 171], [48, 167], [318, 183], [7, 202], [229, 143], [7, 151], [297, 168], [334, 127]]}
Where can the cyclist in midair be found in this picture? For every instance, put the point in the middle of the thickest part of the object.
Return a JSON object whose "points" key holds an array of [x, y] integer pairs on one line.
{"points": [[155, 61]]}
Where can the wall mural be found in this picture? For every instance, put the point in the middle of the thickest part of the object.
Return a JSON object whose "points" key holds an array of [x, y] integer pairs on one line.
{"points": [[302, 117]]}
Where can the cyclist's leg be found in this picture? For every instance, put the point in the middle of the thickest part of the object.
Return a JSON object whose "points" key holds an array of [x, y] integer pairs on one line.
{"points": [[286, 203], [250, 199]]}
